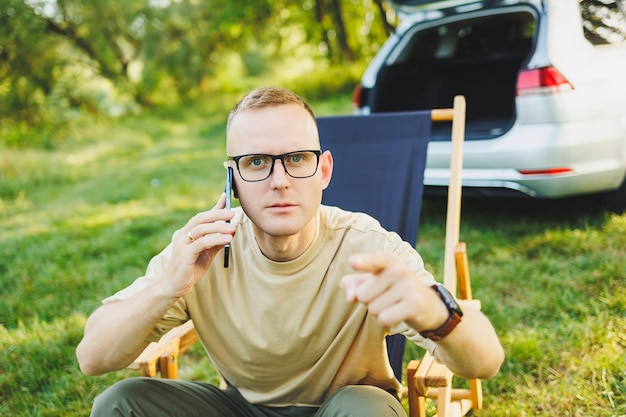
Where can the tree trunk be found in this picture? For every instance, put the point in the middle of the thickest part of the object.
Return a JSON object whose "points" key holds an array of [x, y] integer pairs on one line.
{"points": [[389, 28], [342, 35], [320, 14]]}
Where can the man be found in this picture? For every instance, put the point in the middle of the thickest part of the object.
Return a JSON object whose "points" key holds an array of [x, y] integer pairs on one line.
{"points": [[276, 324]]}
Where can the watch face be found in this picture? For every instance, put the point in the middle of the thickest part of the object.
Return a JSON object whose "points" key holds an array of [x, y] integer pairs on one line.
{"points": [[448, 300]]}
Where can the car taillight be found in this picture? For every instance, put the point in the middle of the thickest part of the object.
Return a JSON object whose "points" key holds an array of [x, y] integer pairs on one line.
{"points": [[547, 171], [542, 80], [356, 96]]}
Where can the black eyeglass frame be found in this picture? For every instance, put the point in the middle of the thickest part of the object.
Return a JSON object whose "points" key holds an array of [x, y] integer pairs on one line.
{"points": [[274, 158]]}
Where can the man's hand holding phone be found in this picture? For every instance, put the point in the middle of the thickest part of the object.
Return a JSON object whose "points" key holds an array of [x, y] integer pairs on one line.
{"points": [[195, 245]]}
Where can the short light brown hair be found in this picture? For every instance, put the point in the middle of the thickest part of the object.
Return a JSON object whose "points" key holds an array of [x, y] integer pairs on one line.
{"points": [[267, 97]]}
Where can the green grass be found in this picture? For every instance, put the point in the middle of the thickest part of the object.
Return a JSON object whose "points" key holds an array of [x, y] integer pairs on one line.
{"points": [[79, 222]]}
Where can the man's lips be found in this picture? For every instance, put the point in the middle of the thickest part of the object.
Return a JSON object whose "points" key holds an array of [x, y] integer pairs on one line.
{"points": [[281, 206]]}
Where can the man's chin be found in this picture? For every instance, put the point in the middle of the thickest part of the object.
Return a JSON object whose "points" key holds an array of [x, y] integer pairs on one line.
{"points": [[279, 232], [282, 227]]}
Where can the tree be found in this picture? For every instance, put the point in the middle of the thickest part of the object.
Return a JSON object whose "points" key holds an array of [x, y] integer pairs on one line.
{"points": [[26, 73], [161, 51]]}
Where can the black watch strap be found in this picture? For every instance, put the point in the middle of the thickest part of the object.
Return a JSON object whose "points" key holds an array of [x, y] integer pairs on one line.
{"points": [[454, 318]]}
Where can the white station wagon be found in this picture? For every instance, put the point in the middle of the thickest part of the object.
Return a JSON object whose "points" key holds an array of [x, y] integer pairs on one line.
{"points": [[545, 84]]}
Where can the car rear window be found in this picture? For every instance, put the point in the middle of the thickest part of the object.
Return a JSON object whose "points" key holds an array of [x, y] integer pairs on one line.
{"points": [[483, 37], [604, 21]]}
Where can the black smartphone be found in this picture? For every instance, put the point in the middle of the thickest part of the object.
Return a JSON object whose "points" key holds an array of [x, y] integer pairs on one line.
{"points": [[229, 190]]}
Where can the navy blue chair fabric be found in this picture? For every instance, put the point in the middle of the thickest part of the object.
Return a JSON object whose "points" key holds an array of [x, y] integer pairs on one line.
{"points": [[379, 162]]}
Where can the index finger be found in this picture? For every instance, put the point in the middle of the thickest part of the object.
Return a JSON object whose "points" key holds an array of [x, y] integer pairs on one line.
{"points": [[217, 213], [371, 262]]}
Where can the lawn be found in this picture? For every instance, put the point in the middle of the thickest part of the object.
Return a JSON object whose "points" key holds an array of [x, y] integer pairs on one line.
{"points": [[80, 221]]}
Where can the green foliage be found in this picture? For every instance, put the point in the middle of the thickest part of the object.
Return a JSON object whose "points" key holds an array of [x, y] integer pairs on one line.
{"points": [[39, 375], [27, 77], [60, 61], [81, 221], [324, 83], [552, 284], [604, 21]]}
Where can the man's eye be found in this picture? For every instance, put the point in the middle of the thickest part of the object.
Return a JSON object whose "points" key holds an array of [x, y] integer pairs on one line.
{"points": [[253, 161]]}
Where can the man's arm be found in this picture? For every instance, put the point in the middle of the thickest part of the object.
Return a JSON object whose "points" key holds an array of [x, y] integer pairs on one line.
{"points": [[394, 294], [472, 349], [115, 333]]}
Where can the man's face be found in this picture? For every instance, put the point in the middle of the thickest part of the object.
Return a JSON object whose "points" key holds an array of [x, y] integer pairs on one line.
{"points": [[280, 205]]}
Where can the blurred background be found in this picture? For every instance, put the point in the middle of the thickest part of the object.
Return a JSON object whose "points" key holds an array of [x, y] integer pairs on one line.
{"points": [[61, 60], [112, 123]]}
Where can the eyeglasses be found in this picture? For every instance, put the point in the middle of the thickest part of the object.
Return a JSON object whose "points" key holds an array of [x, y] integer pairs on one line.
{"points": [[257, 166]]}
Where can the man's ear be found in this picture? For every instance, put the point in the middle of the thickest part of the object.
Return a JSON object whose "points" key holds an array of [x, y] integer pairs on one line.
{"points": [[326, 167]]}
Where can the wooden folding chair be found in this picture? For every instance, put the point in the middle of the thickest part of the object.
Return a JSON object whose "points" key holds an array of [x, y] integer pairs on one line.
{"points": [[365, 181], [427, 378], [162, 357], [379, 162]]}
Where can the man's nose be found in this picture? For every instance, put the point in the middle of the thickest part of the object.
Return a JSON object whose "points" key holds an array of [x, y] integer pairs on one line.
{"points": [[279, 175]]}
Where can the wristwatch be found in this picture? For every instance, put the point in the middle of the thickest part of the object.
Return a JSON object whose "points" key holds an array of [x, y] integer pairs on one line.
{"points": [[453, 319]]}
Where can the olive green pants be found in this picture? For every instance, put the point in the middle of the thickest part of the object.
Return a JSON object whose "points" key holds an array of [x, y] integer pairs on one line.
{"points": [[156, 397]]}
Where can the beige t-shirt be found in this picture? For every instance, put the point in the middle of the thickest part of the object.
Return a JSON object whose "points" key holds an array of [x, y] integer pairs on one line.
{"points": [[282, 332]]}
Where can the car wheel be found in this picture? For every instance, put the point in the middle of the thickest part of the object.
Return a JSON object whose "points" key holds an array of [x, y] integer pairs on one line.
{"points": [[616, 200]]}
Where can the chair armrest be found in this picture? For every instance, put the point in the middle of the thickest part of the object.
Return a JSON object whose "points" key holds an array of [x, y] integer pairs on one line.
{"points": [[176, 341]]}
